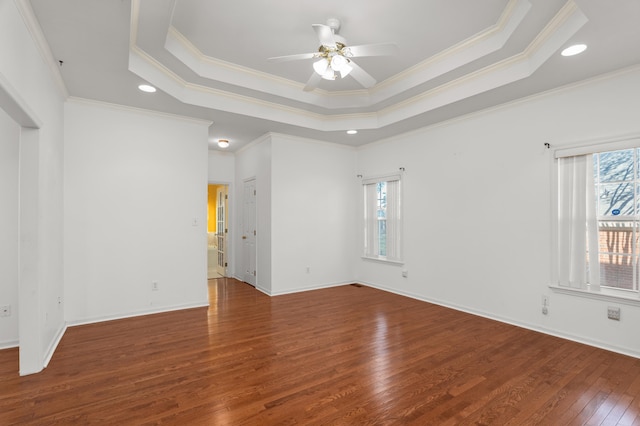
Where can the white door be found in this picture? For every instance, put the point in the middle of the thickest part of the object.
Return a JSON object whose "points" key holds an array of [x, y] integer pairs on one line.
{"points": [[249, 232], [221, 229]]}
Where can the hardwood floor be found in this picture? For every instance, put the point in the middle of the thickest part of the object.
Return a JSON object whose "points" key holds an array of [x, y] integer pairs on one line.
{"points": [[342, 356]]}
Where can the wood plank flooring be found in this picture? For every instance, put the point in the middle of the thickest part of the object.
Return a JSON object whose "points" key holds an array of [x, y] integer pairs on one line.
{"points": [[348, 355]]}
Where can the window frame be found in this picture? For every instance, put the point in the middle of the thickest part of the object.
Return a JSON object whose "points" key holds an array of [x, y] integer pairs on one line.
{"points": [[604, 293], [395, 231]]}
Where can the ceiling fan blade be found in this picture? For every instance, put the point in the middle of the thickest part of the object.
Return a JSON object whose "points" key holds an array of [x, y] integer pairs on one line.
{"points": [[292, 57], [361, 76], [325, 35], [313, 82], [381, 49]]}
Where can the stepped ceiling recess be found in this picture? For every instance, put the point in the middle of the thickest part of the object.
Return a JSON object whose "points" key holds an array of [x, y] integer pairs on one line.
{"points": [[209, 59]]}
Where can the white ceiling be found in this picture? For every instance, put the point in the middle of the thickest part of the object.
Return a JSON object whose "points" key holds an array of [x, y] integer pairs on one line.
{"points": [[209, 58]]}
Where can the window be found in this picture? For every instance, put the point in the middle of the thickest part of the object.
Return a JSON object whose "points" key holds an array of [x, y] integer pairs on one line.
{"points": [[382, 218], [616, 189], [599, 217]]}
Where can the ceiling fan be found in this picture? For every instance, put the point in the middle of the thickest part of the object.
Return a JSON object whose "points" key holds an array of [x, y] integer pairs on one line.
{"points": [[335, 57]]}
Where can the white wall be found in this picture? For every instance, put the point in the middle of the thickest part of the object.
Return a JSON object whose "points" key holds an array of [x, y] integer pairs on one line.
{"points": [[254, 162], [31, 86], [135, 182], [477, 203], [221, 167], [9, 144], [314, 191]]}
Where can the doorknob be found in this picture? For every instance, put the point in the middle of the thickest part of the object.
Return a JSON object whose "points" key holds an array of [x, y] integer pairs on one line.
{"points": [[244, 237]]}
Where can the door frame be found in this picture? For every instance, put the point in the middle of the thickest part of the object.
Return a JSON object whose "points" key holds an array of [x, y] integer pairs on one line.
{"points": [[229, 237], [246, 257]]}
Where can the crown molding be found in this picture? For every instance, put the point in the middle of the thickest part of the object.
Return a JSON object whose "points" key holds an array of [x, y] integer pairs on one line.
{"points": [[477, 46], [226, 72], [563, 25], [156, 73], [33, 27], [521, 101], [566, 23], [257, 141], [482, 44], [133, 22], [12, 102], [126, 108]]}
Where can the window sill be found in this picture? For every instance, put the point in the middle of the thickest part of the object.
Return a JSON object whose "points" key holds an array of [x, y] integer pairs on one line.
{"points": [[383, 260], [603, 294]]}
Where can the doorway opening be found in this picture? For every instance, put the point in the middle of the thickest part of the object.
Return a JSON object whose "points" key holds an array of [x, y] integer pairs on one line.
{"points": [[217, 230]]}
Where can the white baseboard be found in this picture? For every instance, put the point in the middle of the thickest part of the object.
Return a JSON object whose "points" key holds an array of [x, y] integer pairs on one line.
{"points": [[54, 345], [579, 339], [8, 344], [117, 316], [317, 287]]}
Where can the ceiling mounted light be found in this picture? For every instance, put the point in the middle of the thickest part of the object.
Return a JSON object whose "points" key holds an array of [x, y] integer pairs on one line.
{"points": [[223, 143], [335, 58], [147, 88], [341, 64], [352, 132], [321, 66], [323, 69], [332, 61], [574, 50]]}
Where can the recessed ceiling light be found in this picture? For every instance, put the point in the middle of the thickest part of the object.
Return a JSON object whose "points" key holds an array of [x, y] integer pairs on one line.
{"points": [[352, 132], [147, 88], [223, 143], [574, 50]]}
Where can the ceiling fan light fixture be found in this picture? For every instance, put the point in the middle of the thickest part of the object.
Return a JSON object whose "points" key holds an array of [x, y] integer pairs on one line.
{"points": [[329, 75], [321, 66], [345, 70], [338, 62]]}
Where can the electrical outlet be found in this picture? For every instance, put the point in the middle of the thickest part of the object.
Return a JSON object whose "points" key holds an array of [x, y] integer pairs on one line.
{"points": [[405, 274], [613, 313], [308, 269], [154, 286], [5, 311], [545, 304]]}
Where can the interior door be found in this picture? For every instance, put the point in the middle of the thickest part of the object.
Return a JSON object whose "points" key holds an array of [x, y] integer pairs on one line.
{"points": [[221, 229], [249, 232]]}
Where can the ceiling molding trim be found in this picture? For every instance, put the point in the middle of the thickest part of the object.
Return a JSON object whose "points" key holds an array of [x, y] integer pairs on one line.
{"points": [[260, 139], [467, 51], [12, 102], [151, 70], [477, 46], [133, 23], [506, 106], [226, 72], [175, 39], [33, 27], [302, 139], [565, 24], [126, 108]]}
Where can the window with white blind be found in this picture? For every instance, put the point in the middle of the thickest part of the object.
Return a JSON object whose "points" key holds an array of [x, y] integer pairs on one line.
{"points": [[382, 218], [599, 218]]}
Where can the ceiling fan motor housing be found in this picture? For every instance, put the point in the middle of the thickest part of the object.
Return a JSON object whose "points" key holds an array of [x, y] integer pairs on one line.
{"points": [[334, 24]]}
